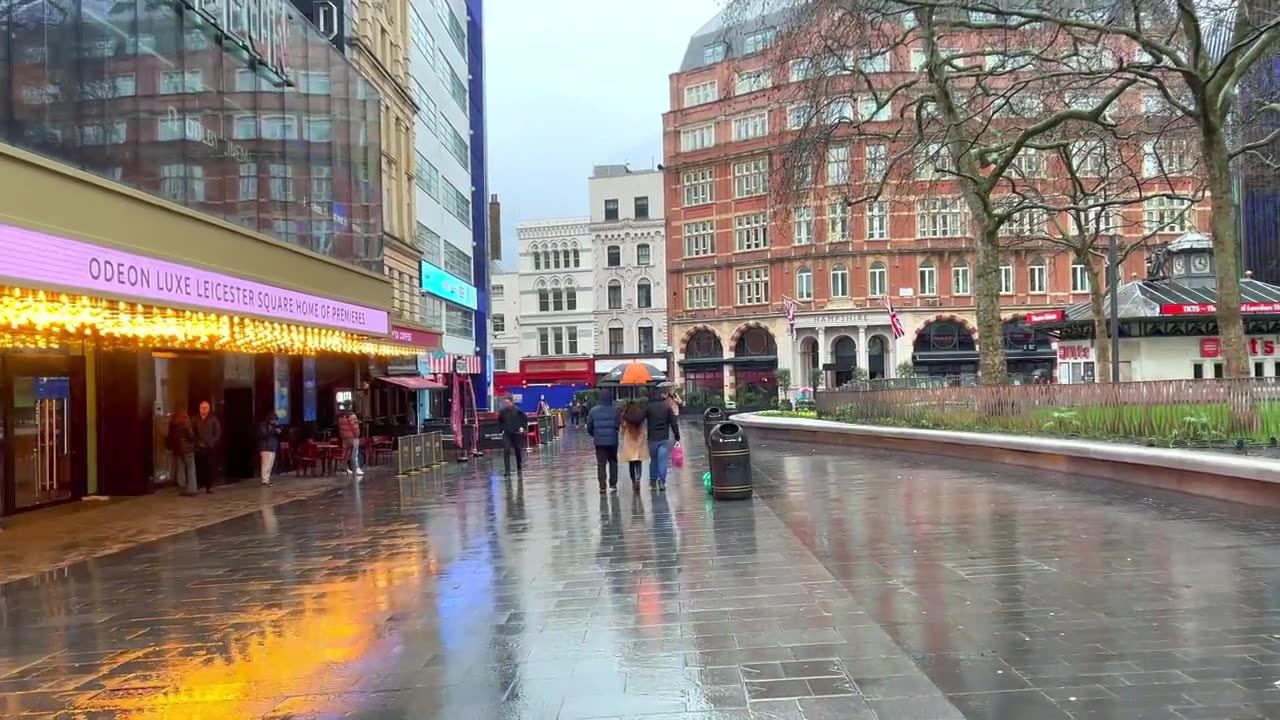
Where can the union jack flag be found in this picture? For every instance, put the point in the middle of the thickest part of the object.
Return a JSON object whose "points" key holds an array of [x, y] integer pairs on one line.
{"points": [[895, 322]]}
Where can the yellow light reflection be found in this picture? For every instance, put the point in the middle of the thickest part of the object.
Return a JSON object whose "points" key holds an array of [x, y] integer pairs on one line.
{"points": [[294, 655], [31, 318]]}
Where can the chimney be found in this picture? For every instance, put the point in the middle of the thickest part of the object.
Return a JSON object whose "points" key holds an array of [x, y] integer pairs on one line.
{"points": [[495, 228]]}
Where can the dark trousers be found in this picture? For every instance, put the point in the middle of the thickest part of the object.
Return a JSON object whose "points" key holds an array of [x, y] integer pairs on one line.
{"points": [[635, 469], [204, 468], [513, 443], [607, 456]]}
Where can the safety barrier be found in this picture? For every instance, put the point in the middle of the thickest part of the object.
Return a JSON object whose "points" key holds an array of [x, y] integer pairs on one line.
{"points": [[415, 453]]}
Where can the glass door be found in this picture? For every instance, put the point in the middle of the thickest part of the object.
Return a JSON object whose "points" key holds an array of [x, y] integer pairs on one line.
{"points": [[41, 440]]}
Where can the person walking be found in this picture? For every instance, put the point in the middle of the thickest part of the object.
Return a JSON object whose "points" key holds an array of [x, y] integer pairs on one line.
{"points": [[603, 426], [514, 424], [268, 446], [182, 446], [661, 424], [349, 434], [634, 449], [208, 435]]}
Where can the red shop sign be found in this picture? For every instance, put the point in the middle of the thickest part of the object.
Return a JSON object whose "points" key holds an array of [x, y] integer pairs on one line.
{"points": [[1045, 317], [1210, 308], [1074, 352], [1210, 347], [416, 338]]}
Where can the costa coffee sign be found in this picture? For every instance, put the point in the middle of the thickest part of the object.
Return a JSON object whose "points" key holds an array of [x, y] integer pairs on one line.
{"points": [[1047, 316], [416, 338], [1210, 308]]}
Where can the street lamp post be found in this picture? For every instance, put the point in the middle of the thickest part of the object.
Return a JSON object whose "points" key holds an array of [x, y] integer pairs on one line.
{"points": [[1113, 288]]}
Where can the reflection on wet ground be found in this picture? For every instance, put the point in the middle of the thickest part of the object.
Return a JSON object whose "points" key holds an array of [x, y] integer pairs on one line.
{"points": [[859, 584]]}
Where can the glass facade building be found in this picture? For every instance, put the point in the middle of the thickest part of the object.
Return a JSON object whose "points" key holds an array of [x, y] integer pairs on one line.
{"points": [[151, 95]]}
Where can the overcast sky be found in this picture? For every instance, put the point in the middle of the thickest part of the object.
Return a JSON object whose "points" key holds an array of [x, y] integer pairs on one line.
{"points": [[576, 83]]}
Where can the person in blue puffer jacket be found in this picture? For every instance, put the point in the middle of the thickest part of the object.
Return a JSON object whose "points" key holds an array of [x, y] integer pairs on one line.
{"points": [[602, 425]]}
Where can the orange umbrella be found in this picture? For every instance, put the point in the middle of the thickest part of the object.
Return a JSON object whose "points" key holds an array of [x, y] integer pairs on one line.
{"points": [[634, 373]]}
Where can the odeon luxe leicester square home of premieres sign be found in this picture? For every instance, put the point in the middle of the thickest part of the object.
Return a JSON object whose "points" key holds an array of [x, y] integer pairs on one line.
{"points": [[258, 26], [27, 256]]}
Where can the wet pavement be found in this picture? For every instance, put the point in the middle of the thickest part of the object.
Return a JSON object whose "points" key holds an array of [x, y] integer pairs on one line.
{"points": [[858, 584]]}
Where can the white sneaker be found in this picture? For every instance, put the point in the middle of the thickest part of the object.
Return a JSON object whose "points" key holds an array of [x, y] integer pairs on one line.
{"points": [[359, 472]]}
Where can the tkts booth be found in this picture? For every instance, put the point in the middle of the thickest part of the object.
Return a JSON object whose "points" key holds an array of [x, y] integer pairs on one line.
{"points": [[1167, 326], [452, 411]]}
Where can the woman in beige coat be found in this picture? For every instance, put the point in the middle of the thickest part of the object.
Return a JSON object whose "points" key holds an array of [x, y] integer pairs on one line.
{"points": [[635, 443]]}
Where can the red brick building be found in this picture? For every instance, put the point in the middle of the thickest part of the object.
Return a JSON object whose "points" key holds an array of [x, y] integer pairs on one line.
{"points": [[737, 247]]}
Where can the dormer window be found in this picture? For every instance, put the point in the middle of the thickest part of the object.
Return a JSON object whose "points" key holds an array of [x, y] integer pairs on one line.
{"points": [[714, 53], [758, 41]]}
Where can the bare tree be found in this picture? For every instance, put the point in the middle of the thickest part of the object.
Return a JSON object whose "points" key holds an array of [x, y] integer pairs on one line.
{"points": [[955, 101]]}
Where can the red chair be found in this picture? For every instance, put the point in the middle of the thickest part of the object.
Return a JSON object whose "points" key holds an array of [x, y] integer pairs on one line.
{"points": [[308, 458]]}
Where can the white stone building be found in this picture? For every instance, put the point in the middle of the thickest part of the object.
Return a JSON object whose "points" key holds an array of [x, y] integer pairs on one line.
{"points": [[555, 299], [628, 236], [504, 291]]}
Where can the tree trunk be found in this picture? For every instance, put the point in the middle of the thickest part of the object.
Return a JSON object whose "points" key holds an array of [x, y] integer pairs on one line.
{"points": [[992, 367], [1222, 225], [1101, 336]]}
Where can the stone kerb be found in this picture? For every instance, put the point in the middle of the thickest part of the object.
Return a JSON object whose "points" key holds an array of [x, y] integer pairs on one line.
{"points": [[1220, 475]]}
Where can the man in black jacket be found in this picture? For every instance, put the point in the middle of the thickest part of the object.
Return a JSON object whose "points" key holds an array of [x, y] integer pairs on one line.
{"points": [[513, 422], [662, 423]]}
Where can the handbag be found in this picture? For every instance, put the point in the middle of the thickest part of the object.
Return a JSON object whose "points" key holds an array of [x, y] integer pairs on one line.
{"points": [[677, 456]]}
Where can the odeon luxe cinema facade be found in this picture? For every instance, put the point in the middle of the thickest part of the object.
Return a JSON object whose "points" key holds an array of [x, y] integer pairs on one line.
{"points": [[191, 213]]}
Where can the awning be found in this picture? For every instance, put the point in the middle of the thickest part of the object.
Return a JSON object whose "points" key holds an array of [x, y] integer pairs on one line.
{"points": [[413, 382]]}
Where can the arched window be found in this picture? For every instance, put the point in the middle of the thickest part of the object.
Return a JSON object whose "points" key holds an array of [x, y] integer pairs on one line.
{"points": [[877, 280], [644, 335], [643, 256], [1038, 277], [555, 259], [537, 260], [557, 300], [570, 299], [544, 301], [928, 278], [804, 284], [546, 259], [839, 281], [577, 258], [613, 256], [564, 254], [615, 295], [644, 294], [960, 279]]}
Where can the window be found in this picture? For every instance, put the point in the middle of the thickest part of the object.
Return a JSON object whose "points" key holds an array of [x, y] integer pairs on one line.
{"points": [[1079, 278], [577, 258], [644, 294], [839, 281], [104, 134], [544, 301], [1006, 279], [557, 300], [571, 299], [697, 187], [878, 220], [499, 323], [750, 178], [928, 276], [537, 261], [751, 232], [611, 209], [644, 254], [641, 204], [455, 144], [248, 181], [802, 226], [701, 94], [699, 291], [1169, 215], [875, 63], [753, 286], [804, 284], [837, 221], [960, 279], [459, 322], [749, 127], [838, 111], [1168, 157], [801, 69], [1028, 163], [1089, 158], [1037, 278], [1024, 224], [279, 127], [713, 53], [758, 41], [877, 162], [1097, 221], [245, 127], [321, 184], [178, 82], [877, 280], [615, 295], [939, 218], [838, 165], [645, 335], [457, 262], [699, 238], [799, 115], [172, 182], [318, 129], [617, 342], [558, 340], [935, 162], [697, 138], [497, 292], [871, 110], [613, 256], [752, 81], [500, 359], [281, 182], [428, 177]]}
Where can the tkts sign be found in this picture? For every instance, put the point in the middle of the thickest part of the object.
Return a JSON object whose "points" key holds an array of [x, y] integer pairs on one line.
{"points": [[260, 27]]}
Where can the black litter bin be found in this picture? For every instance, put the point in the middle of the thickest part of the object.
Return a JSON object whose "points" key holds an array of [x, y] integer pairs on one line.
{"points": [[711, 418], [730, 462]]}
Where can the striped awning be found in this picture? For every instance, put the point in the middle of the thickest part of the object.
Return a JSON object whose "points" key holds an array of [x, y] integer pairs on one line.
{"points": [[446, 363]]}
